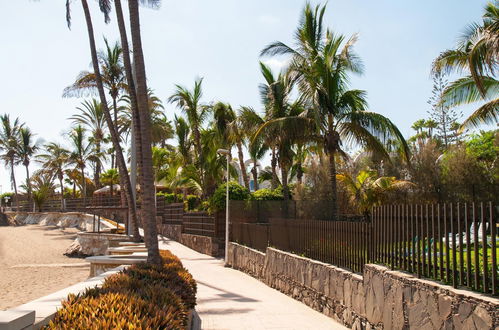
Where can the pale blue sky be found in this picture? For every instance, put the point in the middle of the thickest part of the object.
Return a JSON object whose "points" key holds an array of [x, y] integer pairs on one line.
{"points": [[220, 40]]}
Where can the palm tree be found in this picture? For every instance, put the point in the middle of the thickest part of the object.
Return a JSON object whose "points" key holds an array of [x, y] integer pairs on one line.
{"points": [[190, 104], [321, 64], [231, 133], [26, 149], [9, 133], [182, 132], [147, 184], [476, 54], [110, 178], [250, 121], [80, 154], [91, 116], [125, 183], [55, 159], [367, 190]]}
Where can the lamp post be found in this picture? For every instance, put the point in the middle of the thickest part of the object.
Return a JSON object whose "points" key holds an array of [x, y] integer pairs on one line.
{"points": [[226, 153]]}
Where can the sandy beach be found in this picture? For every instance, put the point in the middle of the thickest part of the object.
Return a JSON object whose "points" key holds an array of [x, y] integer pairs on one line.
{"points": [[32, 263]]}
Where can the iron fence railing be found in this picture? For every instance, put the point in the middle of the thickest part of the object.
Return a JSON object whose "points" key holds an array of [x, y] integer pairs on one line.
{"points": [[455, 243]]}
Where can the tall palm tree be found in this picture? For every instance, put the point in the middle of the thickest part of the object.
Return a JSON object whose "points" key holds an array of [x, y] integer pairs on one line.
{"points": [[321, 64], [55, 159], [26, 149], [477, 54], [125, 179], [147, 176], [110, 178], [91, 116], [190, 104], [250, 121], [112, 73], [9, 133], [80, 154], [229, 129]]}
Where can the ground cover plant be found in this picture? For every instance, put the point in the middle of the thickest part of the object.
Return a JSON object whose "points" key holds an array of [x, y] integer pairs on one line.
{"points": [[143, 296]]}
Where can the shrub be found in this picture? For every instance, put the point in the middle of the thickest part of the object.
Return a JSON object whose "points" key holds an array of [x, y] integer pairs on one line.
{"points": [[170, 197], [267, 195], [142, 296], [236, 193], [192, 202]]}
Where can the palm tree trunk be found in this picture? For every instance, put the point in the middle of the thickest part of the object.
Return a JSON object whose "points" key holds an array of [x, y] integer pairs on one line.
{"points": [[241, 164], [13, 180], [199, 151], [83, 186], [28, 183], [133, 98], [255, 174], [285, 187], [98, 167], [120, 160], [147, 186], [273, 164], [62, 192], [299, 173], [334, 186]]}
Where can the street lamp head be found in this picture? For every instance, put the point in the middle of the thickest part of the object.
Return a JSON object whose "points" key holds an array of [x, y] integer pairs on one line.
{"points": [[223, 152]]}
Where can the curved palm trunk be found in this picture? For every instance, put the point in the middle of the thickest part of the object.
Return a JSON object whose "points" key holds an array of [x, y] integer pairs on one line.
{"points": [[125, 179], [241, 164], [133, 99], [147, 186], [13, 180], [273, 164]]}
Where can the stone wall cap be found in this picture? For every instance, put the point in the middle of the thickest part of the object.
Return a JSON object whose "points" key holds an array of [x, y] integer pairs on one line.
{"points": [[14, 320]]}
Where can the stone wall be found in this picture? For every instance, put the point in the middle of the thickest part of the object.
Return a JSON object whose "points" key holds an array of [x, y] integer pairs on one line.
{"points": [[203, 244], [173, 232], [380, 299], [95, 244]]}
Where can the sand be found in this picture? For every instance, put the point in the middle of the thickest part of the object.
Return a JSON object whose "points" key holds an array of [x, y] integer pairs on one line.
{"points": [[32, 263]]}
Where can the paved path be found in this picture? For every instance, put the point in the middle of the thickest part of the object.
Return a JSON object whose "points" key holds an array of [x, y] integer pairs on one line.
{"points": [[230, 299]]}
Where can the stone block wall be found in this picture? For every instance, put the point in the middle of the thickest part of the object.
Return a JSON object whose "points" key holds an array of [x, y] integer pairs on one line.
{"points": [[378, 299], [204, 244], [173, 232]]}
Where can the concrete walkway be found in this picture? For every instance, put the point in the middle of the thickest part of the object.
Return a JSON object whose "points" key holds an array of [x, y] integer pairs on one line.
{"points": [[230, 299]]}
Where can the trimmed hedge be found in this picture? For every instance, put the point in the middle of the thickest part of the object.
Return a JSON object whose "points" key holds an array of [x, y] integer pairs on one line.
{"points": [[236, 193], [142, 296], [267, 195]]}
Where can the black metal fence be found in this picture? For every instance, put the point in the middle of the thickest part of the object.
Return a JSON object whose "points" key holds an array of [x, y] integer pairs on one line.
{"points": [[455, 243]]}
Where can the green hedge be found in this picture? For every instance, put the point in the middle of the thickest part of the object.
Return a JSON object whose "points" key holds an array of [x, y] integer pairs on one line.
{"points": [[236, 193], [171, 197], [142, 296], [267, 195]]}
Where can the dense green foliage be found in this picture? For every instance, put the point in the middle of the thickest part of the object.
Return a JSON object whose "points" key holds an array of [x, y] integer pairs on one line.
{"points": [[236, 192], [267, 195], [142, 296]]}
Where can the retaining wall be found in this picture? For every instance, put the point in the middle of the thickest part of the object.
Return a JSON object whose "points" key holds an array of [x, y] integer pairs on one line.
{"points": [[378, 299], [173, 232]]}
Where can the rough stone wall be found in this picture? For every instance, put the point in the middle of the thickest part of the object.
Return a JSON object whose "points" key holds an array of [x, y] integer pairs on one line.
{"points": [[380, 299], [173, 232], [94, 244], [203, 244]]}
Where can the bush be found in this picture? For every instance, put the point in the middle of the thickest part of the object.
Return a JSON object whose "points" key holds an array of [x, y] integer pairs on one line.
{"points": [[236, 193], [267, 195], [171, 197], [142, 296], [192, 202]]}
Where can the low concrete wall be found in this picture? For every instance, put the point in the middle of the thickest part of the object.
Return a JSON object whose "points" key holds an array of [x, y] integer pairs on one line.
{"points": [[173, 232], [78, 220], [379, 299], [203, 244]]}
